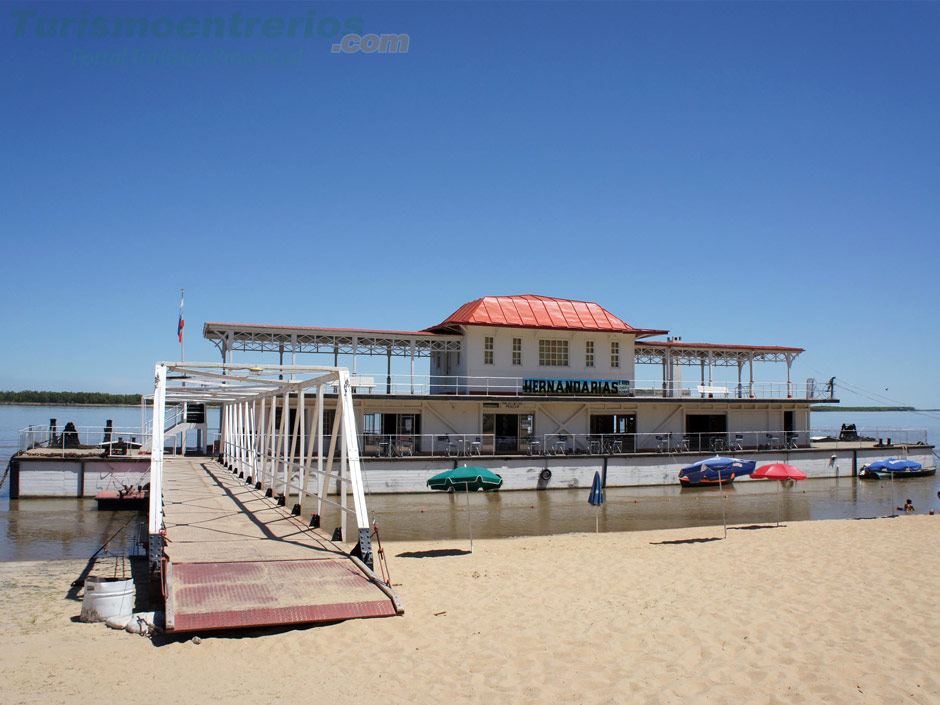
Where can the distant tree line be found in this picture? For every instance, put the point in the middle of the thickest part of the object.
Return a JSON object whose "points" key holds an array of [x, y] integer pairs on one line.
{"points": [[63, 398], [825, 407]]}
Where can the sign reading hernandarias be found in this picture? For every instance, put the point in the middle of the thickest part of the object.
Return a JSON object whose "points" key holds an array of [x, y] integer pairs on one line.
{"points": [[594, 387]]}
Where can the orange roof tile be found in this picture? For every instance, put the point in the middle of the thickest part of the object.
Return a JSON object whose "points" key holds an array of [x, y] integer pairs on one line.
{"points": [[531, 311]]}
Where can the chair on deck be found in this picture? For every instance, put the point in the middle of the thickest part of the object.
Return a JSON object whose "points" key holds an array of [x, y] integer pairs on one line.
{"points": [[533, 445], [476, 447], [449, 446], [663, 444], [560, 445]]}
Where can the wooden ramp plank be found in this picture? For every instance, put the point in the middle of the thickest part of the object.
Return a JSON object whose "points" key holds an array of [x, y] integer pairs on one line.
{"points": [[236, 559]]}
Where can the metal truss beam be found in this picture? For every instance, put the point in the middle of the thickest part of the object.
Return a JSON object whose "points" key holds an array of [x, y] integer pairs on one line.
{"points": [[651, 354], [304, 340]]}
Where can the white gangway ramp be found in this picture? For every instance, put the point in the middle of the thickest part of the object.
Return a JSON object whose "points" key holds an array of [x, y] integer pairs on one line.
{"points": [[229, 551]]}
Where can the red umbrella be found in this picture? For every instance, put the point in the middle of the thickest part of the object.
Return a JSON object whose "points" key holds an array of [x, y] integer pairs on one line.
{"points": [[778, 471]]}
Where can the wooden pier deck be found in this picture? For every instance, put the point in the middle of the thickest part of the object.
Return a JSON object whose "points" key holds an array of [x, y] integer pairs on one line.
{"points": [[236, 559]]}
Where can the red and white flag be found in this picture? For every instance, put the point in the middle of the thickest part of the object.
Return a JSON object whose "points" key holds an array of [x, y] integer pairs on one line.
{"points": [[179, 329]]}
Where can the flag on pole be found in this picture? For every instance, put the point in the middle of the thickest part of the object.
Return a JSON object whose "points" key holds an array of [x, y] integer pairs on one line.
{"points": [[179, 329]]}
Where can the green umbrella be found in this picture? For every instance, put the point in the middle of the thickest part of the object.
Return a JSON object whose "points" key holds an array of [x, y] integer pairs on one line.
{"points": [[466, 479]]}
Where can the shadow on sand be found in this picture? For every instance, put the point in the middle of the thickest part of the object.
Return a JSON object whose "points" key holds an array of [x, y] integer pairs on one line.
{"points": [[434, 553], [679, 541]]}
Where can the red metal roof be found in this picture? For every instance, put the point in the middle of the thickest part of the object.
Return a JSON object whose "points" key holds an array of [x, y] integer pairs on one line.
{"points": [[532, 311]]}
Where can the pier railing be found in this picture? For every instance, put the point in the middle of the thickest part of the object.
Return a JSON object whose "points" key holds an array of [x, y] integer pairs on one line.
{"points": [[118, 440], [383, 445], [468, 445], [63, 437], [886, 435], [459, 385]]}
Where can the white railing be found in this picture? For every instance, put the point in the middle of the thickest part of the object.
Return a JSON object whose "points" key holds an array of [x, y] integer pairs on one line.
{"points": [[62, 437], [884, 434], [379, 445], [468, 445], [427, 385], [174, 415], [118, 441]]}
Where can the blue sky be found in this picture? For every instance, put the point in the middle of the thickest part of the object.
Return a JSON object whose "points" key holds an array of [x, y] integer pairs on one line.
{"points": [[757, 173]]}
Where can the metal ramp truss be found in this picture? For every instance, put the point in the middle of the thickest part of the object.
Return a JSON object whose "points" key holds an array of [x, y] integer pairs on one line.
{"points": [[268, 439]]}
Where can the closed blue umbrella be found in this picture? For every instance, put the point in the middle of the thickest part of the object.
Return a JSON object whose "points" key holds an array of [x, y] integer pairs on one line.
{"points": [[596, 498]]}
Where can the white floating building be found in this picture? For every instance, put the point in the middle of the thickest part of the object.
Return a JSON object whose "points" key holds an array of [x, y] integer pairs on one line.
{"points": [[545, 391]]}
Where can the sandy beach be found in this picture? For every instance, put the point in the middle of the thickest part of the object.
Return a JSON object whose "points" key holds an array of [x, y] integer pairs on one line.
{"points": [[814, 612]]}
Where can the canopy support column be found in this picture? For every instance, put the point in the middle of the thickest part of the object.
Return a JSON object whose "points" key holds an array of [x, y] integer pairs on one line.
{"points": [[750, 383], [155, 543], [789, 385]]}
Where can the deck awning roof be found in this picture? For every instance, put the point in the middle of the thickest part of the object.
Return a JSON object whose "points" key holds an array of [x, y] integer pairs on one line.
{"points": [[715, 354], [258, 337]]}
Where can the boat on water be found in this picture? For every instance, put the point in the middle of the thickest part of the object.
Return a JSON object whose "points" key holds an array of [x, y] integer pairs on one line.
{"points": [[892, 468], [714, 471], [127, 497]]}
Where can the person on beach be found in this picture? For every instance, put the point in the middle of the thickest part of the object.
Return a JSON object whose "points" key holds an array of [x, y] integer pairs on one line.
{"points": [[908, 507]]}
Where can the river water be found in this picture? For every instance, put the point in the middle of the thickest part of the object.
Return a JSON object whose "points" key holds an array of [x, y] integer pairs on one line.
{"points": [[36, 529]]}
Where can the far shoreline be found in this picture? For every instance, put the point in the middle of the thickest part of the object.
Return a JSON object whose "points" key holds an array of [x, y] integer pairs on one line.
{"points": [[49, 403]]}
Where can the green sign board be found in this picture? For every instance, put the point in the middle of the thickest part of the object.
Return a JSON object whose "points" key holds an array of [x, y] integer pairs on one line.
{"points": [[577, 387]]}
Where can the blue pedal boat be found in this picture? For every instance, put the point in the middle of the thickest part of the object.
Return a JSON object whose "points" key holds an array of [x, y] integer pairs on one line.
{"points": [[711, 471]]}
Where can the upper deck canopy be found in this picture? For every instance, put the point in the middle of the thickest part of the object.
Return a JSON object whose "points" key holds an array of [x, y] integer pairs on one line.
{"points": [[714, 354], [526, 311], [254, 337]]}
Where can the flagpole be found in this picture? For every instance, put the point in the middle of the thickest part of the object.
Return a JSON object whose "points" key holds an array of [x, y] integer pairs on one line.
{"points": [[182, 334]]}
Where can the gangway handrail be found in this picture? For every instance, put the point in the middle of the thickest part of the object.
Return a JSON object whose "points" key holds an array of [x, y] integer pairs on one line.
{"points": [[247, 443]]}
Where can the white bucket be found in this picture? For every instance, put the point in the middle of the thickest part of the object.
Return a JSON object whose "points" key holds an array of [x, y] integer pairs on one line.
{"points": [[107, 597]]}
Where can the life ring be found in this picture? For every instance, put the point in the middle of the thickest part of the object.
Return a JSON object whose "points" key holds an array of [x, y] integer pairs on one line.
{"points": [[546, 474]]}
